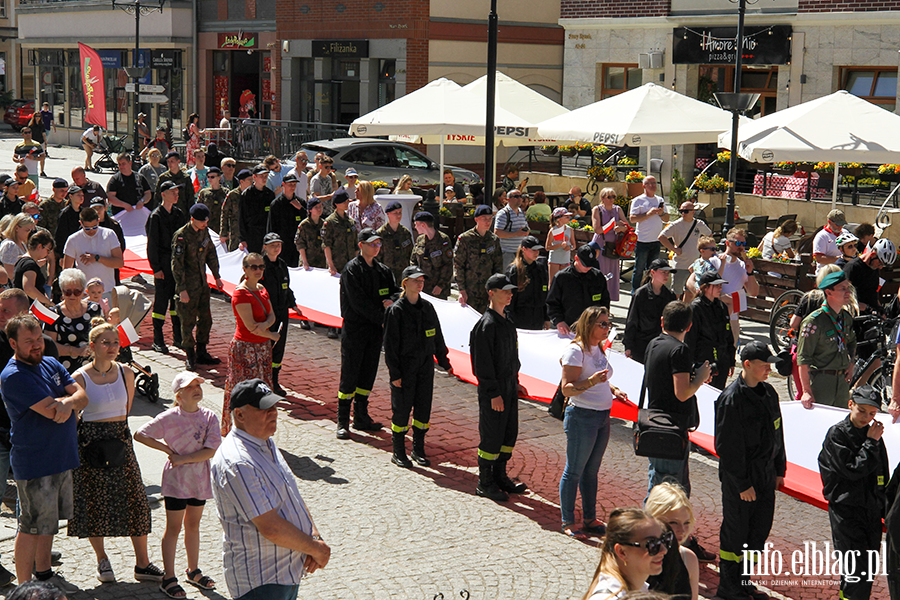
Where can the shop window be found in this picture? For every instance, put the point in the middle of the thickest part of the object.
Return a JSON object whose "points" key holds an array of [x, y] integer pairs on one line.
{"points": [[413, 160], [878, 85], [387, 81], [2, 9], [616, 79]]}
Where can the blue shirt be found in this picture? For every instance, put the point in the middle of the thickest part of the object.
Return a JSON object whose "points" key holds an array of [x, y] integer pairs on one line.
{"points": [[40, 447]]}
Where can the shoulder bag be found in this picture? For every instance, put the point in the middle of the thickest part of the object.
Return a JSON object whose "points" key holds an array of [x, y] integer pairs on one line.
{"points": [[658, 434], [106, 453]]}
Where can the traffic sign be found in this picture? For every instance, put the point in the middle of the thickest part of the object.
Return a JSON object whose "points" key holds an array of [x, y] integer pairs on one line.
{"points": [[129, 87], [152, 98], [146, 88]]}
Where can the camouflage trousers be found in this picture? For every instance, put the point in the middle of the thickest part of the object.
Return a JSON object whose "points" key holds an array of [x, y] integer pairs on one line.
{"points": [[195, 312], [478, 299]]}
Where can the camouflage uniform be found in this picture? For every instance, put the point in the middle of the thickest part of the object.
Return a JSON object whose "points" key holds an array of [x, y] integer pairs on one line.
{"points": [[477, 258], [339, 234], [230, 219], [185, 192], [213, 199], [435, 258], [192, 252], [395, 248], [309, 238], [50, 210]]}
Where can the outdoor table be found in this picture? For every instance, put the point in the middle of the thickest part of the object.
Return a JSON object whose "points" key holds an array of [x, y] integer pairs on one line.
{"points": [[553, 198], [407, 201], [782, 186]]}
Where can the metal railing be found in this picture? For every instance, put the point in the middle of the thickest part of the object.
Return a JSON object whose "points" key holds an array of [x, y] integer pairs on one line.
{"points": [[254, 140]]}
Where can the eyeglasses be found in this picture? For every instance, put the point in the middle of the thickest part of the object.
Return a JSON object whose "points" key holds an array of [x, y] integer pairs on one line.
{"points": [[256, 267], [109, 343], [738, 243], [375, 243], [685, 211], [90, 228], [654, 545], [711, 248], [603, 324], [72, 292]]}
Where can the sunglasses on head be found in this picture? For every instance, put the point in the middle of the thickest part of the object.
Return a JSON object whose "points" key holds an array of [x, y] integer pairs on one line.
{"points": [[654, 545]]}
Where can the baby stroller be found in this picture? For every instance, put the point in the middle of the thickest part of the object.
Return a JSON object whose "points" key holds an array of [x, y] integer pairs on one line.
{"points": [[134, 306], [111, 147]]}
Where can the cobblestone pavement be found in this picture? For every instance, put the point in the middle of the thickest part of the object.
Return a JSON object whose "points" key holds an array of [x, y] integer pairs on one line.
{"points": [[413, 534]]}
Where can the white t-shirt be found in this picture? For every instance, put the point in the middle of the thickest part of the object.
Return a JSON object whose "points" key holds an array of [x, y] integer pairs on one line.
{"points": [[102, 243], [302, 184], [610, 588], [823, 243], [735, 273], [677, 231], [10, 252], [773, 246], [89, 134], [648, 230], [600, 396]]}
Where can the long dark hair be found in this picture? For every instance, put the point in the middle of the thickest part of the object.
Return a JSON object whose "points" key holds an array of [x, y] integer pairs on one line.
{"points": [[521, 274], [619, 530]]}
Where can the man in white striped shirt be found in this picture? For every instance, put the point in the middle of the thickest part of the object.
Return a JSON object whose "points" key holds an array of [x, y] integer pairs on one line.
{"points": [[269, 539]]}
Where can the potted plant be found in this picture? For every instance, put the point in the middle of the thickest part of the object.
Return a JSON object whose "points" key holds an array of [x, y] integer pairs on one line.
{"points": [[539, 225], [598, 173], [854, 169], [627, 161], [711, 189], [583, 233], [889, 172], [784, 168], [583, 149], [549, 150], [600, 151], [567, 150], [826, 173], [634, 183]]}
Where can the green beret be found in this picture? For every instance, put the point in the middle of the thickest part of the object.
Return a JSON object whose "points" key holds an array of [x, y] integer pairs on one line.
{"points": [[832, 279]]}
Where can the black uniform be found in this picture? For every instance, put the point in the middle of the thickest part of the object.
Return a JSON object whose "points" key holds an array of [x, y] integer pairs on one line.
{"points": [[710, 337], [68, 224], [750, 444], [571, 292], [412, 339], [277, 281], [854, 470], [644, 323], [892, 525], [161, 227], [528, 308], [254, 215], [285, 219]]}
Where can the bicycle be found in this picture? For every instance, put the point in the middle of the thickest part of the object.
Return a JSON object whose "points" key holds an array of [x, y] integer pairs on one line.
{"points": [[882, 377]]}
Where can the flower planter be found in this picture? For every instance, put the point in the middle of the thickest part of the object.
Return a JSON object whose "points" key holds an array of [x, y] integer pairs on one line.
{"points": [[826, 180], [549, 151], [713, 199], [569, 153], [583, 236], [587, 152], [633, 189], [854, 171], [539, 229]]}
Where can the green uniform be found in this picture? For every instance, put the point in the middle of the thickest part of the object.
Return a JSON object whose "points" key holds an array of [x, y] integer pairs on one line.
{"points": [[309, 238], [828, 350], [339, 234], [395, 248], [192, 252], [50, 210], [229, 225], [477, 258], [213, 199], [435, 258], [185, 192]]}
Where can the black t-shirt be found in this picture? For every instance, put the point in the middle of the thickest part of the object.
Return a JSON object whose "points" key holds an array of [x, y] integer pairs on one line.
{"points": [[24, 265], [865, 279], [127, 189], [666, 356]]}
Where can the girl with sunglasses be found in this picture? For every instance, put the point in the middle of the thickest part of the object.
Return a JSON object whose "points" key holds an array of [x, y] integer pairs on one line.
{"points": [[589, 397], [680, 575], [634, 549], [250, 352]]}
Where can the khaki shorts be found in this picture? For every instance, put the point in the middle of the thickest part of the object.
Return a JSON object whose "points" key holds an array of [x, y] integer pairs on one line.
{"points": [[43, 502]]}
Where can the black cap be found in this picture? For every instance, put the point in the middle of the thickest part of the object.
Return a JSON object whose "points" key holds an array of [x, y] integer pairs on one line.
{"points": [[710, 278], [74, 189], [367, 236], [160, 127], [290, 178], [758, 351], [5, 178], [392, 206], [98, 201], [200, 212], [411, 272], [660, 264], [340, 196], [424, 217], [259, 169], [59, 183], [587, 257], [866, 394], [271, 238], [165, 186], [173, 154], [253, 392], [532, 243], [214, 170], [312, 202], [498, 281], [243, 174], [483, 209]]}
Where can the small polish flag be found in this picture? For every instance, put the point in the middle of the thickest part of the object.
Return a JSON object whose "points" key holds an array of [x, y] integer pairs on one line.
{"points": [[609, 339], [34, 196], [195, 179], [609, 226], [43, 313], [127, 334], [739, 301]]}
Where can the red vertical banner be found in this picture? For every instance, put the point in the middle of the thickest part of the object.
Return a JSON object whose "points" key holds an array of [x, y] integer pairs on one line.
{"points": [[92, 82]]}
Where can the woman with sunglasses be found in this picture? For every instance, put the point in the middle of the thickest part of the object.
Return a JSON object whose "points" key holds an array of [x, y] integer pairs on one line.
{"points": [[634, 549], [601, 216], [589, 397], [15, 241], [364, 210], [680, 577], [71, 329], [250, 352]]}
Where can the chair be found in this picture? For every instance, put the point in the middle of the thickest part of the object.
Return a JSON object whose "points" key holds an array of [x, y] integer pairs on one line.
{"points": [[656, 167], [784, 218], [717, 221], [757, 226]]}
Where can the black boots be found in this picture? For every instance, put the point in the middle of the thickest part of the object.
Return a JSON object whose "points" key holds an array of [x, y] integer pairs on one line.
{"points": [[487, 487], [191, 362], [275, 387], [159, 343], [730, 587], [176, 330], [502, 479], [418, 449], [204, 357], [361, 419], [399, 458], [343, 419]]}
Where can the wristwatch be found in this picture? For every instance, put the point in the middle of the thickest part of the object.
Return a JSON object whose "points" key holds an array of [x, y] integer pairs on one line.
{"points": [[96, 258]]}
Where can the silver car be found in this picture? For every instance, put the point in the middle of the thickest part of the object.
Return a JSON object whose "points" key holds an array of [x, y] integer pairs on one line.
{"points": [[381, 160]]}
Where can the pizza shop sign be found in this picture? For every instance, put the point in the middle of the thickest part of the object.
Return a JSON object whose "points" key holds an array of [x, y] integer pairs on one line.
{"points": [[237, 41]]}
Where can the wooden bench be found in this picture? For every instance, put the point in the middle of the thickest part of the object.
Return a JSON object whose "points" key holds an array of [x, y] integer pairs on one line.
{"points": [[794, 276]]}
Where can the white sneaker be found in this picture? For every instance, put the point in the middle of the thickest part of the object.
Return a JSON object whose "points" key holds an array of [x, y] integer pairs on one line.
{"points": [[104, 571]]}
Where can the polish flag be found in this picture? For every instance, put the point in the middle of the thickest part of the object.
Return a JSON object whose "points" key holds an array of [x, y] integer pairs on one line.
{"points": [[609, 339], [195, 179], [43, 313], [127, 334], [34, 196], [738, 301], [609, 226], [559, 234]]}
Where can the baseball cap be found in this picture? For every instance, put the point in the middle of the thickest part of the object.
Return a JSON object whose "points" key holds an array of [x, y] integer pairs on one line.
{"points": [[837, 217], [832, 279], [173, 154], [214, 170], [392, 206], [160, 128], [258, 169], [253, 392], [449, 188], [424, 216], [351, 172], [758, 351], [710, 278], [498, 281], [340, 196], [74, 189], [243, 174], [411, 272], [200, 212], [312, 203], [58, 183], [290, 178], [98, 201], [532, 243], [184, 379], [587, 257], [169, 185], [866, 394], [367, 236], [6, 177], [560, 211], [482, 210], [271, 238], [660, 264]]}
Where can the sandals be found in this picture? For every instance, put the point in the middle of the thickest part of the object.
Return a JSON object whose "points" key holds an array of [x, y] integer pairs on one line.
{"points": [[204, 583], [595, 527], [569, 530], [170, 588]]}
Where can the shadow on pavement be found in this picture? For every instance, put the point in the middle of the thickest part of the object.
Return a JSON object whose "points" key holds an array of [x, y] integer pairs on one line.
{"points": [[309, 470]]}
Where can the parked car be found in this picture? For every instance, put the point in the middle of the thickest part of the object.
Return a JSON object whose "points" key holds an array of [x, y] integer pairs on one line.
{"points": [[381, 160], [19, 113]]}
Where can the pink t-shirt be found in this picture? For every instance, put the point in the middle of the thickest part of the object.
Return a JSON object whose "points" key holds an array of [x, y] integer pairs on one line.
{"points": [[186, 433]]}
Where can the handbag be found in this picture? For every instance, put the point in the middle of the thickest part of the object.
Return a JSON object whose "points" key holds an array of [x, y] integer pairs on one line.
{"points": [[609, 250], [558, 403], [658, 434], [105, 454]]}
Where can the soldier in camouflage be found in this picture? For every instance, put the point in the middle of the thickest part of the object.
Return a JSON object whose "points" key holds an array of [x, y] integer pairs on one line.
{"points": [[229, 226], [339, 234], [52, 206], [309, 237], [192, 252], [213, 197], [433, 255], [477, 257], [396, 241]]}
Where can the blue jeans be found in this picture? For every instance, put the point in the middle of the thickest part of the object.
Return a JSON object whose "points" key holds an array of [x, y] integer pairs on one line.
{"points": [[272, 591], [644, 254], [587, 434], [667, 469]]}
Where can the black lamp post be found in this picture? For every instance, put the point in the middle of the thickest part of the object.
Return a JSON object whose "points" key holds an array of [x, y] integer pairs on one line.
{"points": [[489, 166], [137, 8]]}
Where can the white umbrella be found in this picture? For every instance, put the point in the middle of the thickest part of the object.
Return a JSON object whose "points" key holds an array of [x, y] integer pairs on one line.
{"points": [[650, 115], [835, 128]]}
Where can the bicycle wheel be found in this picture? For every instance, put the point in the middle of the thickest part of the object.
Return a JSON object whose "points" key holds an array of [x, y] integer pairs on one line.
{"points": [[789, 297], [792, 393], [880, 380], [780, 327]]}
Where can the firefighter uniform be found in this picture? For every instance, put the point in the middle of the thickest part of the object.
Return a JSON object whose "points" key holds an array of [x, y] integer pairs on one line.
{"points": [[528, 308], [161, 227], [309, 238], [476, 257], [254, 216], [710, 337], [277, 281], [571, 292], [285, 219], [229, 224], [435, 258], [185, 192], [339, 234], [214, 200], [192, 252], [827, 344], [396, 248]]}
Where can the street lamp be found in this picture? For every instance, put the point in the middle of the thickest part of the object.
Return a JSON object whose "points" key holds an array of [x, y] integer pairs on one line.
{"points": [[137, 8], [489, 166]]}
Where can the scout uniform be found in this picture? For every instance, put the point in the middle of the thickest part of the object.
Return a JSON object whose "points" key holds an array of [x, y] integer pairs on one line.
{"points": [[214, 200], [827, 341], [476, 258], [434, 257], [185, 193], [339, 234], [229, 225], [396, 247], [309, 238]]}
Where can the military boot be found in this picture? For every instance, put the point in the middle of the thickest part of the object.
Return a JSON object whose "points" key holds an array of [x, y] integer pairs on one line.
{"points": [[343, 419], [361, 419], [275, 387], [191, 362], [418, 448], [502, 479], [399, 458], [204, 357], [159, 342], [487, 487]]}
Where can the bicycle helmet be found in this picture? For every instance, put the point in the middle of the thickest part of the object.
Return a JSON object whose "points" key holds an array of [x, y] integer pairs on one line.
{"points": [[885, 251], [845, 238]]}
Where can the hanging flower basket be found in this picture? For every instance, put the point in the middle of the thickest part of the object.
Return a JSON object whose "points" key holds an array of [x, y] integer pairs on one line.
{"points": [[567, 150], [549, 150]]}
